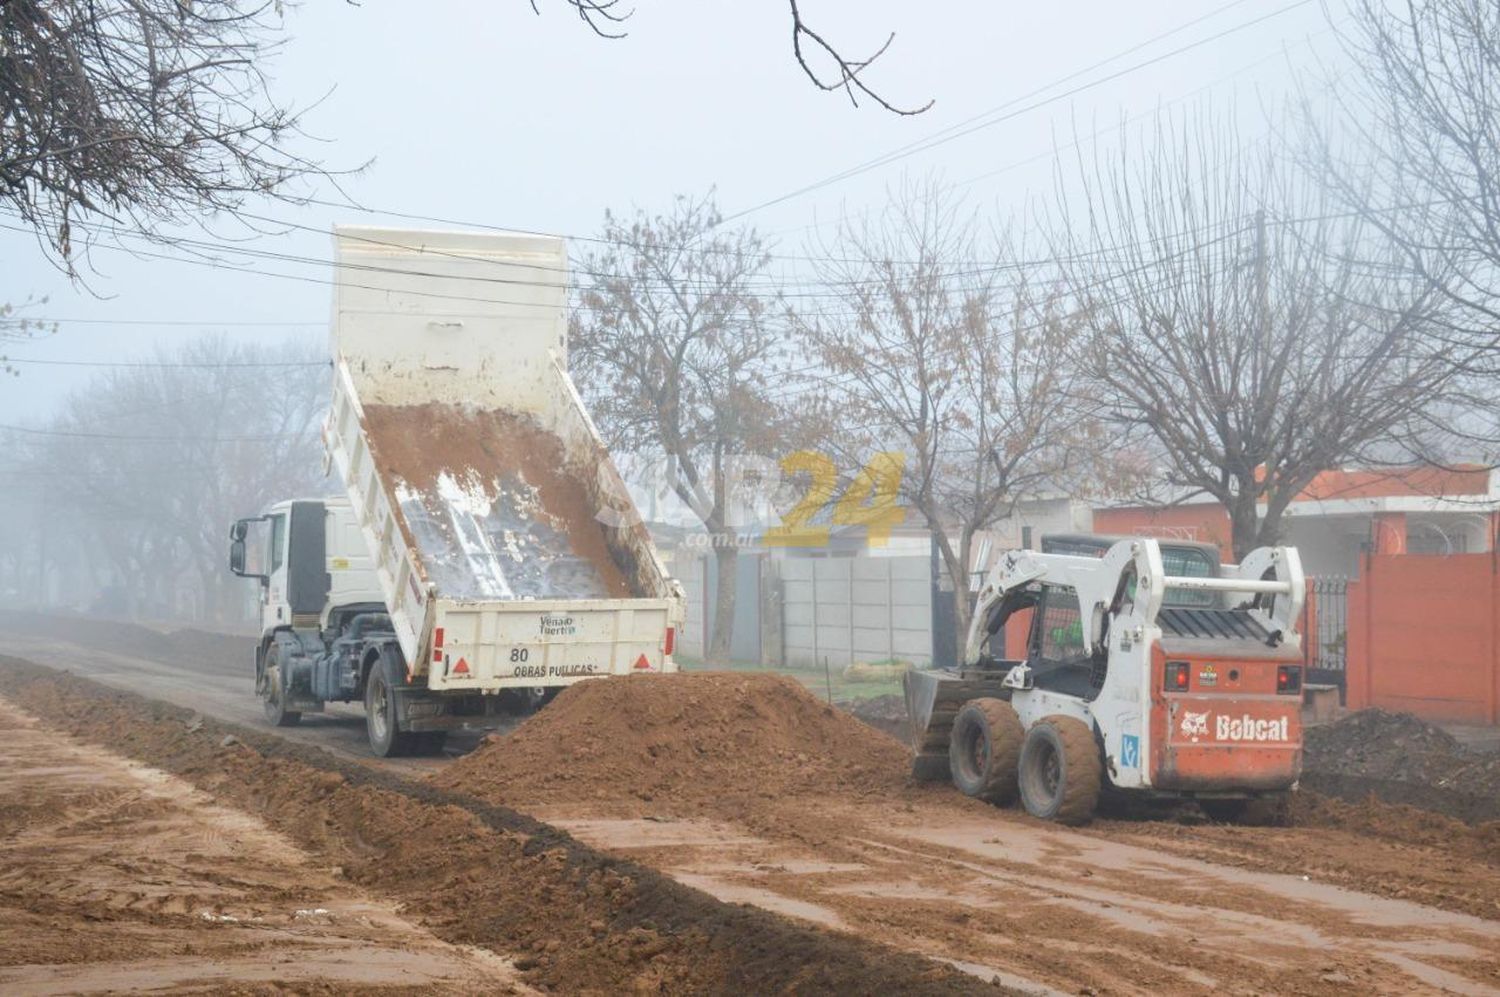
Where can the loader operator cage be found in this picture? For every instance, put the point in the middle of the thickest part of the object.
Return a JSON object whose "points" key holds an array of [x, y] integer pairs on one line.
{"points": [[1185, 558]]}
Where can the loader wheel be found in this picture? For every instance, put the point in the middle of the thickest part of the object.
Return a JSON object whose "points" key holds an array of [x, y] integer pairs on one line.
{"points": [[1060, 771], [386, 739], [984, 750], [273, 697]]}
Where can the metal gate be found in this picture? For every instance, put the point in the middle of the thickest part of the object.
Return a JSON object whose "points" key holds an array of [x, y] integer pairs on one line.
{"points": [[1325, 630]]}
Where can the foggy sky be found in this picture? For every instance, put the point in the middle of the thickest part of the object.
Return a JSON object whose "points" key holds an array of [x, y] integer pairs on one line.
{"points": [[484, 112]]}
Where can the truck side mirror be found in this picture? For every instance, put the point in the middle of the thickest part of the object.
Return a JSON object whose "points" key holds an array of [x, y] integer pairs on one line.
{"points": [[237, 555], [238, 531]]}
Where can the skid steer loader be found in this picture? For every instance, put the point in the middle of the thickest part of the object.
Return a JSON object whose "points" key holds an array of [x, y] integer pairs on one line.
{"points": [[1150, 669]]}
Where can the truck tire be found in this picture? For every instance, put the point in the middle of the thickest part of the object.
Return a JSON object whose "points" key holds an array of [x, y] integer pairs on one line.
{"points": [[386, 738], [273, 697], [984, 750], [1060, 771]]}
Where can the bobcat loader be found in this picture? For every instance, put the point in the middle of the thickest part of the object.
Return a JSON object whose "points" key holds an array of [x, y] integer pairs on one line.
{"points": [[1150, 669]]}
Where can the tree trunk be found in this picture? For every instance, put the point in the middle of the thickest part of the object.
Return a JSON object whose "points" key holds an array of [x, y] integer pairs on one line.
{"points": [[956, 564], [1244, 522], [1272, 523], [726, 556]]}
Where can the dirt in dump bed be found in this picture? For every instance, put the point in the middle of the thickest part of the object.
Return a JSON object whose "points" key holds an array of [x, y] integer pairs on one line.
{"points": [[491, 505], [569, 918], [684, 743], [1404, 760]]}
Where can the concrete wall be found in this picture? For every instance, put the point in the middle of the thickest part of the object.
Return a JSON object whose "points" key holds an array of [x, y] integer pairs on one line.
{"points": [[699, 578], [855, 609]]}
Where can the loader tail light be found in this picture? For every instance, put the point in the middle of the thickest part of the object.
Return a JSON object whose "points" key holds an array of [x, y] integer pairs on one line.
{"points": [[1177, 676], [671, 641], [437, 644], [1289, 679]]}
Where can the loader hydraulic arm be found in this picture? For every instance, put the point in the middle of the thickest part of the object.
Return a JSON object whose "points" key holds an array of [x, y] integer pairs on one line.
{"points": [[1098, 583], [1129, 583]]}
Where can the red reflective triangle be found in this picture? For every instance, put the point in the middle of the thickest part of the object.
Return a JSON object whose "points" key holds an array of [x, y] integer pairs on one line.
{"points": [[462, 668], [642, 662]]}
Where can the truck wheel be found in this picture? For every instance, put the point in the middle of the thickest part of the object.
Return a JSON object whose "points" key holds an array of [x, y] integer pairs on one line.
{"points": [[386, 740], [984, 750], [1060, 771], [273, 697]]}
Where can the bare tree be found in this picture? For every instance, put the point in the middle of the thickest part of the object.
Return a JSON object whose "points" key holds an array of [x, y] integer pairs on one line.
{"points": [[962, 368], [143, 112], [848, 70], [146, 113], [154, 461], [1422, 164], [18, 324], [673, 348], [809, 46], [1253, 333]]}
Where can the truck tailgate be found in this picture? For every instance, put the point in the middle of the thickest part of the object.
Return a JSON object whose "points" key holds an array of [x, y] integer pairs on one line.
{"points": [[490, 646]]}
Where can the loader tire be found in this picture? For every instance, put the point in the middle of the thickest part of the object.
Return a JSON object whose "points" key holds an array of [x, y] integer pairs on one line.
{"points": [[273, 695], [1060, 771], [386, 738], [984, 750]]}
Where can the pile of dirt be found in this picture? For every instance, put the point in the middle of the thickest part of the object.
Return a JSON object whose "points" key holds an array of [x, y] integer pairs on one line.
{"points": [[1401, 759], [690, 742], [491, 504], [1397, 822], [571, 919]]}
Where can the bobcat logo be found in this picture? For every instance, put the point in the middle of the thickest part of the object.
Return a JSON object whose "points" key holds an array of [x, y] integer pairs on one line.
{"points": [[1195, 725]]}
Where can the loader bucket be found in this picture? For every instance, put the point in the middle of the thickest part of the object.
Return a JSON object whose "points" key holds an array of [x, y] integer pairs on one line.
{"points": [[933, 699]]}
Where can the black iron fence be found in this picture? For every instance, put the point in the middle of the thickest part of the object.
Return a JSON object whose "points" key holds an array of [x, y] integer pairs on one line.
{"points": [[1325, 630]]}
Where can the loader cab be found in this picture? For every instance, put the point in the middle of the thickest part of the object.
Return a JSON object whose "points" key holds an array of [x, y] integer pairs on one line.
{"points": [[1055, 647]]}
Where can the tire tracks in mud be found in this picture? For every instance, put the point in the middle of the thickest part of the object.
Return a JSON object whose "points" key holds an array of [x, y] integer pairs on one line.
{"points": [[571, 917]]}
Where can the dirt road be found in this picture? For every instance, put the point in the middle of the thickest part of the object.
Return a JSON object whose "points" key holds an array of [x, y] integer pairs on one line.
{"points": [[211, 673], [115, 876], [1383, 900]]}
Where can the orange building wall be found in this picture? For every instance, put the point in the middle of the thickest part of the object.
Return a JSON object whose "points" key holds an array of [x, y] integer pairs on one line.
{"points": [[1207, 522], [1424, 631]]}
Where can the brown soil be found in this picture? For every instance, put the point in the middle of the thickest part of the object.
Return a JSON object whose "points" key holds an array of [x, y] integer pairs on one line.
{"points": [[749, 787], [416, 444], [572, 918], [1402, 759], [685, 743], [1362, 897], [117, 877]]}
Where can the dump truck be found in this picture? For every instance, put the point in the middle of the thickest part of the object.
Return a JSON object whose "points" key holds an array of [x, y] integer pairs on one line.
{"points": [[1150, 670], [485, 552]]}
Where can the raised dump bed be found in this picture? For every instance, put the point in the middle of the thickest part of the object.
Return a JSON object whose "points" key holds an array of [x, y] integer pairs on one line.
{"points": [[504, 542]]}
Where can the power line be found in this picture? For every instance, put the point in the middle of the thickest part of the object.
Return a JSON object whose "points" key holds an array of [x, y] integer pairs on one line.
{"points": [[152, 439], [170, 364], [48, 320], [940, 138]]}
